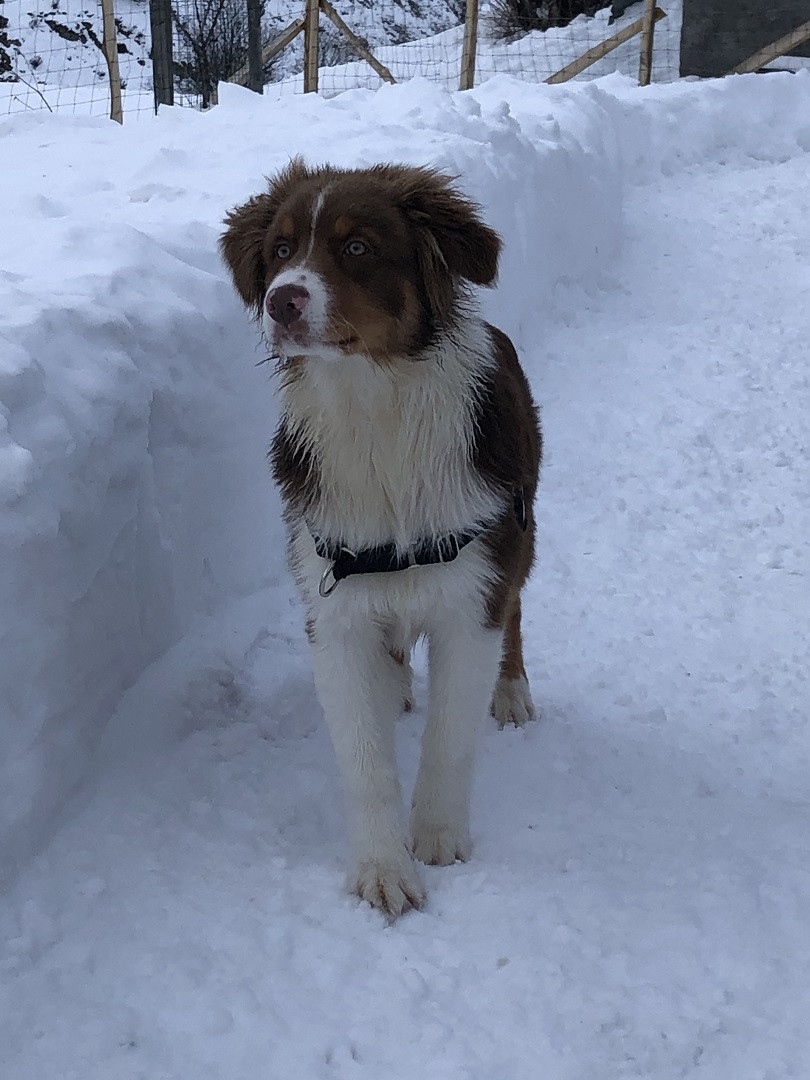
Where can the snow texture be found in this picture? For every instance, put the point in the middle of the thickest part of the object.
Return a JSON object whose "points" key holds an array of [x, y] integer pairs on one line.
{"points": [[170, 822]]}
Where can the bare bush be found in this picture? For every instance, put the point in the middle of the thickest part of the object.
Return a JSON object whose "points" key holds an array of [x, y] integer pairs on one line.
{"points": [[213, 45], [8, 46], [511, 19]]}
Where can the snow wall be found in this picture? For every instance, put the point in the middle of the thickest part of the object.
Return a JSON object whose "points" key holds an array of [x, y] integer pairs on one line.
{"points": [[134, 495]]}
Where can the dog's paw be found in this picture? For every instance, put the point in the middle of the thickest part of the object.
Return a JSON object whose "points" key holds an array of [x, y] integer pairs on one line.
{"points": [[439, 845], [391, 885], [512, 702]]}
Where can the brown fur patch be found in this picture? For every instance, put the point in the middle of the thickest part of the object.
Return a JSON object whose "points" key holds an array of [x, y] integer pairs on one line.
{"points": [[294, 470], [508, 451], [512, 666], [343, 226]]}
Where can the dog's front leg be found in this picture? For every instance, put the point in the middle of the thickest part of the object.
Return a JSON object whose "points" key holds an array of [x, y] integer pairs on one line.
{"points": [[463, 658], [359, 686]]}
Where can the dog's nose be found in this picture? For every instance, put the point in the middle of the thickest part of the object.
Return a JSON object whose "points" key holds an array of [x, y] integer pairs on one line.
{"points": [[286, 303]]}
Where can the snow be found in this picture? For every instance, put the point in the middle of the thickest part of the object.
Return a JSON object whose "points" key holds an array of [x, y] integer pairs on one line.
{"points": [[170, 819]]}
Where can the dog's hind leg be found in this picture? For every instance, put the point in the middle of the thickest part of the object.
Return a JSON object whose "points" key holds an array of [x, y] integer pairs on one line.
{"points": [[512, 701]]}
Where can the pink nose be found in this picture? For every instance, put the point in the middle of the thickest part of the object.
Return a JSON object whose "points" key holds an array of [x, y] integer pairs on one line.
{"points": [[286, 303]]}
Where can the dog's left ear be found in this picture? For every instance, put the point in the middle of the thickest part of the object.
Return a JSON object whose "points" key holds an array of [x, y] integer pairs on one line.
{"points": [[451, 236], [469, 247]]}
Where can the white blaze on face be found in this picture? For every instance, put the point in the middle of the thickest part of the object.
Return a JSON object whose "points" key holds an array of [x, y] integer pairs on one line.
{"points": [[306, 335], [317, 206]]}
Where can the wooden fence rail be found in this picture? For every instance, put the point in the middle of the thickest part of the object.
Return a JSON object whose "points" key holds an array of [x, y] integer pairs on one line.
{"points": [[771, 52]]}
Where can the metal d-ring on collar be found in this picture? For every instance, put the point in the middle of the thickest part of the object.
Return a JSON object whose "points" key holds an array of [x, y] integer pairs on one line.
{"points": [[323, 588], [332, 552]]}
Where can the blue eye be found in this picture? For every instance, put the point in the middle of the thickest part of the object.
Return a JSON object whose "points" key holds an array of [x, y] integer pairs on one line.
{"points": [[356, 247], [282, 251]]}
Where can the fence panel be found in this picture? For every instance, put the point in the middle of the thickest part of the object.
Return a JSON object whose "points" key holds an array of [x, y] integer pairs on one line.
{"points": [[177, 51], [52, 56]]}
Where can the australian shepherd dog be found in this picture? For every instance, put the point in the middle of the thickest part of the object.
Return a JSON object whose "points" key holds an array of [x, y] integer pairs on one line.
{"points": [[407, 457]]}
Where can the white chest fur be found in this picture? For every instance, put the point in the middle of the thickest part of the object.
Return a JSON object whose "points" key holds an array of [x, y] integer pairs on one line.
{"points": [[393, 445]]}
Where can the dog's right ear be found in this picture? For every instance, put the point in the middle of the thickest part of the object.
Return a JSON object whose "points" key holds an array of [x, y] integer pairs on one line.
{"points": [[242, 243], [242, 247]]}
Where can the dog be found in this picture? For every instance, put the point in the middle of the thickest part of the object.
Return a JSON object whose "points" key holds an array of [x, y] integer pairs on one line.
{"points": [[407, 457]]}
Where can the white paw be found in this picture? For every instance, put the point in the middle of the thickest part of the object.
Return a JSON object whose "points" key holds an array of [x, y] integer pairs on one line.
{"points": [[512, 702], [391, 885], [438, 845]]}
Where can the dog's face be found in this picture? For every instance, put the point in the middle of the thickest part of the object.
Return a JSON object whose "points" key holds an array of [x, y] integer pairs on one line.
{"points": [[347, 262]]}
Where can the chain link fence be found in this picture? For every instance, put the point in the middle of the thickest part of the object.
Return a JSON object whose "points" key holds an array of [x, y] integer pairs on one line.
{"points": [[54, 53]]}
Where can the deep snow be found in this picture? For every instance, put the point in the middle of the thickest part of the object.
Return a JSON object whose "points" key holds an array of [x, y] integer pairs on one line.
{"points": [[636, 903]]}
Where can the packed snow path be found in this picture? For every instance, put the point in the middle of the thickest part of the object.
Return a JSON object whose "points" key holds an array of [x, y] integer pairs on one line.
{"points": [[637, 902]]}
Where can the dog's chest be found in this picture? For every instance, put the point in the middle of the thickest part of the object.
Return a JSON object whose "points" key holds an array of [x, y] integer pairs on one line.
{"points": [[393, 452]]}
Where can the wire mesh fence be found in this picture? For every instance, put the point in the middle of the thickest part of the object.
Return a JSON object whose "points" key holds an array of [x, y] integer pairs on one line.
{"points": [[52, 52], [405, 39], [52, 55], [583, 39]]}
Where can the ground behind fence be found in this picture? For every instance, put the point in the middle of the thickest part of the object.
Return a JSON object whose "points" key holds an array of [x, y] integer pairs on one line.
{"points": [[64, 54]]}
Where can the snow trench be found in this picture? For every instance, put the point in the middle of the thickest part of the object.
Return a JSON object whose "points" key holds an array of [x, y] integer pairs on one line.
{"points": [[134, 496]]}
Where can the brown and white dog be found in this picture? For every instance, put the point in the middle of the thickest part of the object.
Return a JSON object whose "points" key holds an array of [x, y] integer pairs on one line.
{"points": [[407, 457]]}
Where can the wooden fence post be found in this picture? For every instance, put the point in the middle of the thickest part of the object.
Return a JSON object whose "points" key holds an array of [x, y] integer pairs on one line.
{"points": [[271, 49], [110, 44], [254, 29], [602, 49], [467, 81], [355, 41], [160, 21], [311, 30], [647, 37]]}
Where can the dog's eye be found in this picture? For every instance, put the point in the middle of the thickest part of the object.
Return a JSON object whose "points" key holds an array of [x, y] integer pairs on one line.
{"points": [[356, 247], [282, 250]]}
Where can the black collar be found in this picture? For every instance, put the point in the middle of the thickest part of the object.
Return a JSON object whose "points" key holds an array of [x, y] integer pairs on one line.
{"points": [[388, 558]]}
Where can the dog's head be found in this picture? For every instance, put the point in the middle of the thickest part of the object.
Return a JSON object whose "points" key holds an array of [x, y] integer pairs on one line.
{"points": [[366, 261]]}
